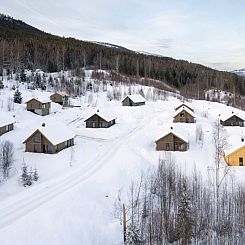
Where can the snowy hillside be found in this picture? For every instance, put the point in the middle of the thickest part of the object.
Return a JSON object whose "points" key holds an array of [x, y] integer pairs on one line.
{"points": [[72, 203], [240, 72]]}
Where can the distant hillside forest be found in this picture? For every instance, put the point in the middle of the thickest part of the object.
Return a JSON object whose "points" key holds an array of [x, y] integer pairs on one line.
{"points": [[23, 46]]}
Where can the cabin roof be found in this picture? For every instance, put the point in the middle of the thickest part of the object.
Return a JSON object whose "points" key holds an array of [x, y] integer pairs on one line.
{"points": [[104, 115], [184, 108], [225, 117], [177, 132], [61, 93], [185, 105], [136, 98], [5, 119], [42, 100], [234, 140], [56, 133]]}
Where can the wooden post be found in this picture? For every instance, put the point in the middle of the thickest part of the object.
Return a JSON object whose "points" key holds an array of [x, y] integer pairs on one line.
{"points": [[124, 224]]}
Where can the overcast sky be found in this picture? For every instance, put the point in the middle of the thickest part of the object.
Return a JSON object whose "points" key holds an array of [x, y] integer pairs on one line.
{"points": [[209, 32]]}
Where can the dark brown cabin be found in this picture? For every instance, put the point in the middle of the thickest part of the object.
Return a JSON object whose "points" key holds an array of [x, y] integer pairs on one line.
{"points": [[184, 115], [42, 142], [171, 142], [234, 120], [133, 100], [60, 98], [40, 107], [100, 121]]}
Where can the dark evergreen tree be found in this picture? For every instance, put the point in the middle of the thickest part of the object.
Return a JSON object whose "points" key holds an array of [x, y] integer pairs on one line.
{"points": [[24, 175], [17, 97], [23, 76], [1, 85]]}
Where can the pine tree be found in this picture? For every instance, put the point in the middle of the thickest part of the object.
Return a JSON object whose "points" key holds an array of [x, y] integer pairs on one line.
{"points": [[35, 175], [29, 177], [24, 175], [1, 85], [17, 97]]}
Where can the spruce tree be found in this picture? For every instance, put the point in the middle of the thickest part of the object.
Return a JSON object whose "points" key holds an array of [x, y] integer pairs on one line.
{"points": [[24, 175], [35, 175], [17, 97], [1, 85]]}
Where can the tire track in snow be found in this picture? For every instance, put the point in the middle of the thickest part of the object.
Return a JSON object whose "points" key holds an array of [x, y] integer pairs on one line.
{"points": [[16, 208]]}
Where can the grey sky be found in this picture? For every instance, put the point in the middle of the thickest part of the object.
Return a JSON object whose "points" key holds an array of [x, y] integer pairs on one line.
{"points": [[209, 32]]}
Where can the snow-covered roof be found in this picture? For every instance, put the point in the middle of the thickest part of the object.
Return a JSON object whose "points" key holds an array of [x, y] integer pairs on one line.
{"points": [[56, 133], [185, 109], [42, 100], [5, 119], [107, 116], [234, 140], [183, 105], [224, 117], [177, 132], [62, 93], [136, 98]]}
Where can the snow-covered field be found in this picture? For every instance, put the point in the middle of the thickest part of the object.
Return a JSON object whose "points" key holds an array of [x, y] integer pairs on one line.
{"points": [[72, 203]]}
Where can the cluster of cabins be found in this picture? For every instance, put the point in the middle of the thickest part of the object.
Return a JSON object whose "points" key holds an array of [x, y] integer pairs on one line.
{"points": [[46, 139]]}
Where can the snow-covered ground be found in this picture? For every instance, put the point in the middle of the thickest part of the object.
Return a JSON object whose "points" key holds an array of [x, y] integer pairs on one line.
{"points": [[72, 203]]}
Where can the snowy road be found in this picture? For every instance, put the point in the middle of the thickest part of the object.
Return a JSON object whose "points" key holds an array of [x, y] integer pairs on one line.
{"points": [[22, 204]]}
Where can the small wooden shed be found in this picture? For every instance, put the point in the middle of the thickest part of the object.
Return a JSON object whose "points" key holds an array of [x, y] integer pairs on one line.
{"points": [[133, 100], [184, 115], [61, 98], [49, 139], [172, 141], [183, 105], [232, 120], [100, 120], [6, 123], [39, 106]]}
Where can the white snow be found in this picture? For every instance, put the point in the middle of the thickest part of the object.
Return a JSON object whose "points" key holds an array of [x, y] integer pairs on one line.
{"points": [[6, 119], [106, 115], [183, 108], [178, 131], [225, 117], [56, 133], [73, 202], [42, 100], [136, 98]]}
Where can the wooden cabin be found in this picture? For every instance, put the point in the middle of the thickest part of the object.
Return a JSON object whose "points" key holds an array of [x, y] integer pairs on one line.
{"points": [[234, 153], [172, 141], [49, 139], [100, 120], [184, 115], [183, 105], [232, 120], [6, 123], [133, 100], [38, 106], [61, 98]]}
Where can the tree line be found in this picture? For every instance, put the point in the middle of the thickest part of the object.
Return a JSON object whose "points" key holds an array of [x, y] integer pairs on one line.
{"points": [[23, 46]]}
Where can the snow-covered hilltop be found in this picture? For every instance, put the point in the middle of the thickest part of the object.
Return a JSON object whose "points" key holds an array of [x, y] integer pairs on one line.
{"points": [[73, 200]]}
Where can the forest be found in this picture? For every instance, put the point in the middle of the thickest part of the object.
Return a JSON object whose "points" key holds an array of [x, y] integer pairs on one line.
{"points": [[25, 47]]}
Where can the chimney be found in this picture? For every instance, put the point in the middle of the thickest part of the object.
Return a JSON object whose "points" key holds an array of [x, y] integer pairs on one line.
{"points": [[171, 128], [232, 112], [242, 139], [43, 125], [98, 110]]}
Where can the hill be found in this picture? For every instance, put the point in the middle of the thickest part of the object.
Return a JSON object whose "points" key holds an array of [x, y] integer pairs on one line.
{"points": [[24, 46]]}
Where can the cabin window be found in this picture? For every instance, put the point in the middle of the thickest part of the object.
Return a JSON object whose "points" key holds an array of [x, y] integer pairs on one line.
{"points": [[182, 114], [36, 139], [240, 161], [93, 124], [43, 106], [167, 146], [7, 128]]}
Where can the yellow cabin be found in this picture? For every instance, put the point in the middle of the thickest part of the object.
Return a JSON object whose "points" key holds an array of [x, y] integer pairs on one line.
{"points": [[234, 155], [236, 158]]}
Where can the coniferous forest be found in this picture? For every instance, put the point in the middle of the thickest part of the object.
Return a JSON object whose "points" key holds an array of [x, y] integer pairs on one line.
{"points": [[25, 47]]}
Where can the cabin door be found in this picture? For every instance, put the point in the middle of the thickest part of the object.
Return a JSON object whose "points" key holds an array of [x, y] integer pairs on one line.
{"points": [[240, 161], [44, 148]]}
